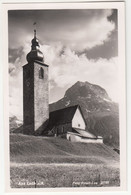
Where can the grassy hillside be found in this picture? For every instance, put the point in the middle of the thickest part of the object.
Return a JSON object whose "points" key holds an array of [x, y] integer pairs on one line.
{"points": [[31, 149], [55, 162]]}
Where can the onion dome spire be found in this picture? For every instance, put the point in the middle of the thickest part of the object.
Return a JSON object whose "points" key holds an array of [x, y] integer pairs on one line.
{"points": [[35, 53]]}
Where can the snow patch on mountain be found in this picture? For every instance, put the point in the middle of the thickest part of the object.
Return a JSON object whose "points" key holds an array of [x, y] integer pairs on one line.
{"points": [[67, 103]]}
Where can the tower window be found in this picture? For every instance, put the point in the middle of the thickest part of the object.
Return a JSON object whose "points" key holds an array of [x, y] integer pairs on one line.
{"points": [[41, 73]]}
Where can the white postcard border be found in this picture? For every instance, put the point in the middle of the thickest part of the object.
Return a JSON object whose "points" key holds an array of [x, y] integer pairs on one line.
{"points": [[121, 41]]}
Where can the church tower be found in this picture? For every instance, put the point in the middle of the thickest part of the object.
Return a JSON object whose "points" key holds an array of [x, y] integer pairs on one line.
{"points": [[35, 90]]}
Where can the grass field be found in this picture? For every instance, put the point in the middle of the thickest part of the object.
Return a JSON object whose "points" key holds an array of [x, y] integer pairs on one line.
{"points": [[57, 175], [55, 162]]}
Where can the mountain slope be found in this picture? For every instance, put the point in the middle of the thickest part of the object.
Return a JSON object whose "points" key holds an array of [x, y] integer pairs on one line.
{"points": [[101, 113], [14, 123]]}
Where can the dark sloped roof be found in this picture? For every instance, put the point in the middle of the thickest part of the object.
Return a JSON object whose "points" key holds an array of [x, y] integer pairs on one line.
{"points": [[62, 116]]}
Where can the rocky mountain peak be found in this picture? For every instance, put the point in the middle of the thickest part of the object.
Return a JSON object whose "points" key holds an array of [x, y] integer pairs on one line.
{"points": [[87, 90]]}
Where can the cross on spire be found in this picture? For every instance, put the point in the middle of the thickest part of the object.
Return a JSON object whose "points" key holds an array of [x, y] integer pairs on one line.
{"points": [[35, 53], [34, 33], [34, 24]]}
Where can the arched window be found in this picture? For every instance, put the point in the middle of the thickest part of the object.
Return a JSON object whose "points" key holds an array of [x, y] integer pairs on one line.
{"points": [[41, 73]]}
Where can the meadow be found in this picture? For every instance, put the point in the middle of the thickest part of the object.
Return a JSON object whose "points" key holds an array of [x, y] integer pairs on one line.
{"points": [[63, 175], [38, 162]]}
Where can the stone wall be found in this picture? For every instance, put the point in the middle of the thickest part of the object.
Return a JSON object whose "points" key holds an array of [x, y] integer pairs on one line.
{"points": [[28, 98], [35, 97], [41, 95]]}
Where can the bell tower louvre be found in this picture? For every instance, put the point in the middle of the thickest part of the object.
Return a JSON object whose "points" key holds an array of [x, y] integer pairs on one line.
{"points": [[35, 90]]}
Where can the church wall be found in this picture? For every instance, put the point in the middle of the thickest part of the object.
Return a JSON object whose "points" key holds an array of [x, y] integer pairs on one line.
{"points": [[78, 121], [28, 98], [41, 104], [62, 129]]}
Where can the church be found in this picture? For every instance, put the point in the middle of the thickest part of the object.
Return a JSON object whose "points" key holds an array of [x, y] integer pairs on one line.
{"points": [[68, 123]]}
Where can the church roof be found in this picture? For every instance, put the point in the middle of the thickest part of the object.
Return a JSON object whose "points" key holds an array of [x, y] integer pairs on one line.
{"points": [[35, 53], [62, 116]]}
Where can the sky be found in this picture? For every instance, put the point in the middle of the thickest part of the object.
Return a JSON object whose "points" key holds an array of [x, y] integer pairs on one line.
{"points": [[78, 45]]}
